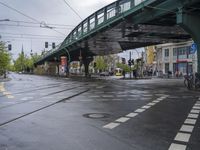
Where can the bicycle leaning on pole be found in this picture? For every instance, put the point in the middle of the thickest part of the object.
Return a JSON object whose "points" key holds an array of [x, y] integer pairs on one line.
{"points": [[192, 82]]}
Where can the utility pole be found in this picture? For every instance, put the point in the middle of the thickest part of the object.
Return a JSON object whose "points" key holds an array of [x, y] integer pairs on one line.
{"points": [[142, 64]]}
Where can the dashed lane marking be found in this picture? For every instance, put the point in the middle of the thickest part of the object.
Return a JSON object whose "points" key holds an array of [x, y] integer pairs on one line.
{"points": [[194, 116], [182, 137], [122, 119], [175, 146], [139, 110], [111, 125], [196, 107], [117, 122], [190, 121], [146, 107], [195, 111], [151, 104], [131, 115], [186, 129]]}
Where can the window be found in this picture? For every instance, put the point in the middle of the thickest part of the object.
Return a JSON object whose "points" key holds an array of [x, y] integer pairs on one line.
{"points": [[174, 51], [166, 52], [166, 67]]}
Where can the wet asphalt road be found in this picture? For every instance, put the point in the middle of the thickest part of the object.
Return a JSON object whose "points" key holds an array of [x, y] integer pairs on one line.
{"points": [[48, 113]]}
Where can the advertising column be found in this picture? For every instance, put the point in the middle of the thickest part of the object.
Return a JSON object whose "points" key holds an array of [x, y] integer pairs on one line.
{"points": [[63, 66]]}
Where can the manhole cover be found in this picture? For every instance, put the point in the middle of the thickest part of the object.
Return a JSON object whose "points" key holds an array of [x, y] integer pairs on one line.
{"points": [[96, 115]]}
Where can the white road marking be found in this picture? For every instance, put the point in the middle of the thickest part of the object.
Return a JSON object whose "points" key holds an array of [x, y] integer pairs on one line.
{"points": [[122, 119], [190, 121], [151, 104], [111, 125], [146, 107], [174, 146], [197, 104], [107, 96], [131, 115], [6, 93], [194, 116], [139, 110], [187, 128], [155, 101], [196, 107], [26, 98], [10, 96], [195, 111], [159, 99], [183, 137]]}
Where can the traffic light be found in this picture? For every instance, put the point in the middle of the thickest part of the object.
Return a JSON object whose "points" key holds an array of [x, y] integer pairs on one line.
{"points": [[123, 61], [129, 62], [138, 60], [46, 44], [53, 45], [9, 47], [132, 61]]}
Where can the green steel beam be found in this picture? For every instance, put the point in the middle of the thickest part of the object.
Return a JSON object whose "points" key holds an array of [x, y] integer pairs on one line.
{"points": [[191, 24], [152, 12]]}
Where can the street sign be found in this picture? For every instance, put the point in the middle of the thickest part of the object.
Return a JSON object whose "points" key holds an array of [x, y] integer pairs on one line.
{"points": [[193, 48]]}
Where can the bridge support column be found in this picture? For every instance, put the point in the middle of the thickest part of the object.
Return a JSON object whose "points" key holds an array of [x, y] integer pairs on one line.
{"points": [[191, 23], [86, 63]]}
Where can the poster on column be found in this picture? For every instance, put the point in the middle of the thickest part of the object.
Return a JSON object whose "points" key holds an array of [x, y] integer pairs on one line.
{"points": [[63, 66]]}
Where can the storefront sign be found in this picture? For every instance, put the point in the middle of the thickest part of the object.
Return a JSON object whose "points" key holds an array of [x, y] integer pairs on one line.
{"points": [[183, 60]]}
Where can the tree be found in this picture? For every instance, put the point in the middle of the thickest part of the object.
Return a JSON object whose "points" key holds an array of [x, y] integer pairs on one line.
{"points": [[24, 63], [100, 63], [20, 63], [4, 59], [125, 67]]}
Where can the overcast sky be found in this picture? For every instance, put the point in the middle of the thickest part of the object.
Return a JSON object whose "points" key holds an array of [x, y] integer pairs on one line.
{"points": [[46, 11]]}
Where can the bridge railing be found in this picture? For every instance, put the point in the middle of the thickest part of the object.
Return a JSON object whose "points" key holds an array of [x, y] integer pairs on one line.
{"points": [[96, 20]]}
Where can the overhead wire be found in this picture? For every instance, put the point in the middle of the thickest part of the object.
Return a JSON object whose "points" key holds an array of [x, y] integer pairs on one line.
{"points": [[22, 34], [27, 16], [73, 9], [36, 38], [28, 22], [32, 26]]}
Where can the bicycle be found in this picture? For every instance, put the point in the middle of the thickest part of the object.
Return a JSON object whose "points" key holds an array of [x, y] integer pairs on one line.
{"points": [[190, 83]]}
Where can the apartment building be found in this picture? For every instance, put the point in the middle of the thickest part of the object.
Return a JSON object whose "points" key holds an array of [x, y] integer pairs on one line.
{"points": [[175, 57]]}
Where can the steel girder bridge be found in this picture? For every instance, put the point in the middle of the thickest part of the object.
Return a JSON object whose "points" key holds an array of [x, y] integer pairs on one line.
{"points": [[127, 24]]}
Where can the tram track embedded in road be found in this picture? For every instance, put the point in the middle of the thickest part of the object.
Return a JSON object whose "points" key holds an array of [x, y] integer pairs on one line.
{"points": [[43, 88], [44, 107], [27, 101]]}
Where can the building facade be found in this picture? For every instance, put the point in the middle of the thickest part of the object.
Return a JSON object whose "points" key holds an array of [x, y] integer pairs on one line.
{"points": [[175, 58]]}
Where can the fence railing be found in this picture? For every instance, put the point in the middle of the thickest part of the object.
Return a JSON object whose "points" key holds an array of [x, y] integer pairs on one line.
{"points": [[97, 19]]}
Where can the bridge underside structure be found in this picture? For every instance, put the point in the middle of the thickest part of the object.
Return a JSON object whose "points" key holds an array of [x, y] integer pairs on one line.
{"points": [[125, 25]]}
